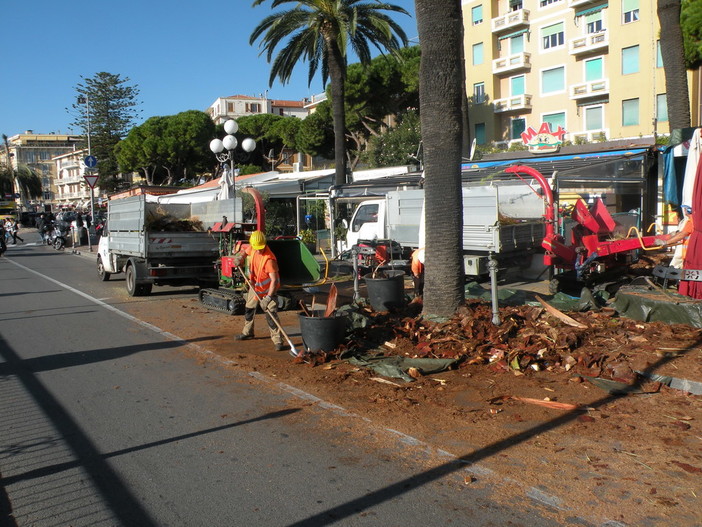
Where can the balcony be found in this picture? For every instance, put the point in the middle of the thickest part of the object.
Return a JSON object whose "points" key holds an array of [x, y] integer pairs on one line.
{"points": [[589, 136], [517, 62], [511, 20], [589, 89], [588, 43], [512, 104], [582, 3]]}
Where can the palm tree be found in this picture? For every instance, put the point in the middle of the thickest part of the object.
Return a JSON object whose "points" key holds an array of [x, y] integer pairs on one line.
{"points": [[23, 179], [673, 54], [320, 31], [441, 95]]}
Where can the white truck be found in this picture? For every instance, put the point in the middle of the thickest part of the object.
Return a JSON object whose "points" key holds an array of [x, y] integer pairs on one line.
{"points": [[152, 242], [499, 221]]}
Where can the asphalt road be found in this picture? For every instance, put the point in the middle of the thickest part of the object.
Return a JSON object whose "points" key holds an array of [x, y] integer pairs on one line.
{"points": [[105, 421]]}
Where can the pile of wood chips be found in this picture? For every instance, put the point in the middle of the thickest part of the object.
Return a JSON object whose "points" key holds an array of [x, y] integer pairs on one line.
{"points": [[529, 337], [163, 221]]}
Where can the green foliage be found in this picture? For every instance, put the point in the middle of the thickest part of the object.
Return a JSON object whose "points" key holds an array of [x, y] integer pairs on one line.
{"points": [[397, 146], [315, 136], [28, 180], [308, 236], [168, 149], [320, 33], [112, 105], [691, 25]]}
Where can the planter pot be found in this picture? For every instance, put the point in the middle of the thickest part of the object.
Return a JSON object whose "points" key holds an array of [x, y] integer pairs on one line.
{"points": [[386, 293], [322, 333]]}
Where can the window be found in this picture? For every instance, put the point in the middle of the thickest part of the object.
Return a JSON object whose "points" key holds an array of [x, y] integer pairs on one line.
{"points": [[544, 3], [253, 107], [477, 13], [553, 36], [515, 5], [594, 69], [594, 118], [630, 112], [554, 120], [364, 214], [480, 137], [553, 80], [477, 54], [516, 127], [630, 60], [479, 93], [593, 22], [516, 86], [630, 11], [659, 56], [516, 44], [661, 108], [230, 107]]}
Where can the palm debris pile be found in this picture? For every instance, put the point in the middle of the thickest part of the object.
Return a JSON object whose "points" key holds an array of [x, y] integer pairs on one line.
{"points": [[529, 338], [160, 220]]}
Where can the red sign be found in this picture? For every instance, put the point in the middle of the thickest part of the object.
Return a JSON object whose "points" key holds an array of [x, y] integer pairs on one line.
{"points": [[91, 180]]}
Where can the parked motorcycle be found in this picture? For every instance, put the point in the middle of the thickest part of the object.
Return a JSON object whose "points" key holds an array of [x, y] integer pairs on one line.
{"points": [[57, 236]]}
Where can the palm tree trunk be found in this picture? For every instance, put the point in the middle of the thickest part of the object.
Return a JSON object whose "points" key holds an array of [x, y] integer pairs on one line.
{"points": [[337, 78], [440, 98], [677, 94]]}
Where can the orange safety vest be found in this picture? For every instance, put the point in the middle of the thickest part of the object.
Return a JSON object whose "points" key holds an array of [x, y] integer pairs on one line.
{"points": [[261, 264]]}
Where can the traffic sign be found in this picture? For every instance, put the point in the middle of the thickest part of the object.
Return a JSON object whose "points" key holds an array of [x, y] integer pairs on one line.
{"points": [[91, 180], [90, 161]]}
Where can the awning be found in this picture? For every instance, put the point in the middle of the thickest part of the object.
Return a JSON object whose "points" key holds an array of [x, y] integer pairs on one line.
{"points": [[591, 10], [515, 34]]}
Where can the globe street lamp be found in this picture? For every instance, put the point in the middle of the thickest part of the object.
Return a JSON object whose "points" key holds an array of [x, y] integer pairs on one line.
{"points": [[230, 143]]}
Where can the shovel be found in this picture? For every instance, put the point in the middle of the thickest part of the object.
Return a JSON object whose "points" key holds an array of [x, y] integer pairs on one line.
{"points": [[331, 301], [293, 349]]}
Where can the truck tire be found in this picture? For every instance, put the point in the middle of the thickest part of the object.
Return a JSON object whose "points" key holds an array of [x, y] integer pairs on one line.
{"points": [[133, 287], [102, 274]]}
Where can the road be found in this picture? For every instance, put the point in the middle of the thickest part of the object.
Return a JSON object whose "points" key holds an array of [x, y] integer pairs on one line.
{"points": [[106, 421]]}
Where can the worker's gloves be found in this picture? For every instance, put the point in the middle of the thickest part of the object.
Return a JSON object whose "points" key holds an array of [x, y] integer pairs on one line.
{"points": [[660, 242], [238, 260], [267, 303]]}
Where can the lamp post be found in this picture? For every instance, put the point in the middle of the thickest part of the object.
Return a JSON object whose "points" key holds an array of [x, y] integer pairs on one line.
{"points": [[85, 99], [230, 143]]}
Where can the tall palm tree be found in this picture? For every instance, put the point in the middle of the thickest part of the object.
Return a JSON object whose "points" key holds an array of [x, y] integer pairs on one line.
{"points": [[673, 54], [321, 31], [441, 95], [23, 179]]}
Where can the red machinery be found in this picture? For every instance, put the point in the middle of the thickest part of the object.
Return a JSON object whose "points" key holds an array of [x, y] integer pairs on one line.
{"points": [[592, 246]]}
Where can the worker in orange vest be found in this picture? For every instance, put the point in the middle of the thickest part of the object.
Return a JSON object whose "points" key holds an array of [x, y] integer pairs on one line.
{"points": [[264, 278], [683, 235], [417, 268]]}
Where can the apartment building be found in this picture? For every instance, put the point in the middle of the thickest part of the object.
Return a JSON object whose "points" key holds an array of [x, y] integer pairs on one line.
{"points": [[72, 191], [591, 67], [37, 151]]}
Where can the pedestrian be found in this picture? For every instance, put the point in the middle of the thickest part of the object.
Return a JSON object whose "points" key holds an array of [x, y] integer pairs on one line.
{"points": [[3, 246], [264, 279], [14, 229], [417, 267]]}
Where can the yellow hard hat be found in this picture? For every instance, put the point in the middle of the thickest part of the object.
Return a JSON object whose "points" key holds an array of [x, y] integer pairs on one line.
{"points": [[257, 240]]}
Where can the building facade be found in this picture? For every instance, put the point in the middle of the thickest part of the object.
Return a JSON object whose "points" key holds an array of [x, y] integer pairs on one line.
{"points": [[37, 152], [591, 67], [72, 190]]}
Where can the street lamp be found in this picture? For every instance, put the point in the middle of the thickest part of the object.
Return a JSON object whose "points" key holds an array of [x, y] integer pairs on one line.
{"points": [[229, 143], [85, 99]]}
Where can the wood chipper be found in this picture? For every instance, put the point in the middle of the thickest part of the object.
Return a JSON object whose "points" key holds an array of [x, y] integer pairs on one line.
{"points": [[298, 267], [585, 244]]}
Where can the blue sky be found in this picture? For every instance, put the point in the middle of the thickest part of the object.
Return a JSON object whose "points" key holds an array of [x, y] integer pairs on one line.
{"points": [[181, 54]]}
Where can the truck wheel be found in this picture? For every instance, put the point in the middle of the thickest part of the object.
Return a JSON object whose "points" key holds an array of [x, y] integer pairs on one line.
{"points": [[102, 274], [130, 279]]}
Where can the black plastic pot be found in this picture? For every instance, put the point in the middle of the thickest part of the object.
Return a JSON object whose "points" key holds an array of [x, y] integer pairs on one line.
{"points": [[322, 333], [386, 293]]}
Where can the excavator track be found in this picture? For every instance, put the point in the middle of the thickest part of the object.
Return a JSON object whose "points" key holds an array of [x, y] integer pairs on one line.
{"points": [[223, 300]]}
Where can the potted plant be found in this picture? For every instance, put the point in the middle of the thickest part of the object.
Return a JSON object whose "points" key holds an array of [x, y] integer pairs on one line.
{"points": [[309, 238]]}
